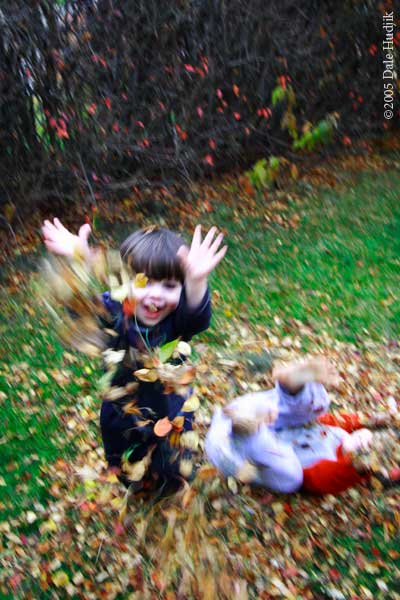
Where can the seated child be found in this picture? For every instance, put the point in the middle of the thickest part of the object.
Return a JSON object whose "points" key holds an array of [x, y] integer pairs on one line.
{"points": [[174, 303], [283, 440]]}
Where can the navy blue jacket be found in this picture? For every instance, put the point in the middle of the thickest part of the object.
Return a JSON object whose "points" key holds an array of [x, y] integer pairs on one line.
{"points": [[119, 430]]}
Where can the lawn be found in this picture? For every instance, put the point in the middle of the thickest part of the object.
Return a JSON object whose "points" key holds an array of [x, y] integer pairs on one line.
{"points": [[313, 269]]}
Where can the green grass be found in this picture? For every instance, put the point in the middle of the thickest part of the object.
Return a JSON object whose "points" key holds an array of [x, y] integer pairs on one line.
{"points": [[34, 405], [373, 571], [338, 271]]}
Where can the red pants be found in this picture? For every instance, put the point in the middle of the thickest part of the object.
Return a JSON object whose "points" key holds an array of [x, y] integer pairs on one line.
{"points": [[334, 476]]}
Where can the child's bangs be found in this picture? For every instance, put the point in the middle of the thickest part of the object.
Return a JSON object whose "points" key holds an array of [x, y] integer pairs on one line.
{"points": [[154, 253], [158, 267]]}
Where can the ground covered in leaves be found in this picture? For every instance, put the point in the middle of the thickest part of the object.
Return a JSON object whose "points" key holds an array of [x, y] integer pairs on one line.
{"points": [[69, 530]]}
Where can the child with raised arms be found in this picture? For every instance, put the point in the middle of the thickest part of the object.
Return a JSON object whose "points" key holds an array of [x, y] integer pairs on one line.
{"points": [[283, 439], [174, 303]]}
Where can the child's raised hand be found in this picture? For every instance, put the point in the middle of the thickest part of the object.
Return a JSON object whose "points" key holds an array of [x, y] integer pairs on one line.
{"points": [[203, 256], [61, 241]]}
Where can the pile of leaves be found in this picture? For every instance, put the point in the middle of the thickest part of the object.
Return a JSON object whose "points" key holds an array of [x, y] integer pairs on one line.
{"points": [[215, 538]]}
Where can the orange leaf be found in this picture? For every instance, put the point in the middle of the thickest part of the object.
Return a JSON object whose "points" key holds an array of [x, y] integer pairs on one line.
{"points": [[129, 307], [187, 375], [207, 472], [162, 427], [188, 497], [157, 581]]}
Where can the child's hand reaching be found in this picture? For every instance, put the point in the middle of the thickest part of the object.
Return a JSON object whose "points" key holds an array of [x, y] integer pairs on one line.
{"points": [[203, 256], [61, 241], [198, 261]]}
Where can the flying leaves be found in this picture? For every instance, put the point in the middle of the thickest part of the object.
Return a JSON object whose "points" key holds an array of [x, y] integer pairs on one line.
{"points": [[71, 289], [136, 471]]}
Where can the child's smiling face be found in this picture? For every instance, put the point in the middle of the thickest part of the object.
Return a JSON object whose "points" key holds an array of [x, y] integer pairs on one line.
{"points": [[157, 300]]}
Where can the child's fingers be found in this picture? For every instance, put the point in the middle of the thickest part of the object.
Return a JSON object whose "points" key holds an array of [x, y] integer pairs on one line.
{"points": [[53, 230], [59, 225], [210, 236], [219, 256], [84, 231], [216, 243], [48, 234], [196, 241], [48, 226]]}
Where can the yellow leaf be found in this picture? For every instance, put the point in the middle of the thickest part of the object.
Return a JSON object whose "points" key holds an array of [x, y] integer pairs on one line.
{"points": [[189, 439], [185, 467], [174, 439], [135, 471], [116, 503], [191, 404], [123, 508], [112, 478], [60, 579], [140, 280], [48, 526]]}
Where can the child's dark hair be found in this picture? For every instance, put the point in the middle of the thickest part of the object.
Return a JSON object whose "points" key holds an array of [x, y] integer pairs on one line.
{"points": [[153, 251]]}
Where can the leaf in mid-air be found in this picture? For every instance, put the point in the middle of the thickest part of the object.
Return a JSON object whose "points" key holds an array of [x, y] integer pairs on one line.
{"points": [[166, 351]]}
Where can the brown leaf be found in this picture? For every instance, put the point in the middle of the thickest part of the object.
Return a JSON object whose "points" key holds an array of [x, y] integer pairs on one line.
{"points": [[131, 408], [149, 375], [207, 472], [114, 393]]}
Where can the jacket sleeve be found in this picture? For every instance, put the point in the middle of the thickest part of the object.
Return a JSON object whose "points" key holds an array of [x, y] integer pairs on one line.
{"points": [[190, 321]]}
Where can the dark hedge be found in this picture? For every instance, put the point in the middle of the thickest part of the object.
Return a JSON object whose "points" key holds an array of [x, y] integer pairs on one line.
{"points": [[98, 97]]}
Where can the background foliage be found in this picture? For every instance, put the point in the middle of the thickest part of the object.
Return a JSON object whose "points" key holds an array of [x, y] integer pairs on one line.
{"points": [[101, 96]]}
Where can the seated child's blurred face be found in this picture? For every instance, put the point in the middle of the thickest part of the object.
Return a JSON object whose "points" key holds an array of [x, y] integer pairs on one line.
{"points": [[157, 300]]}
